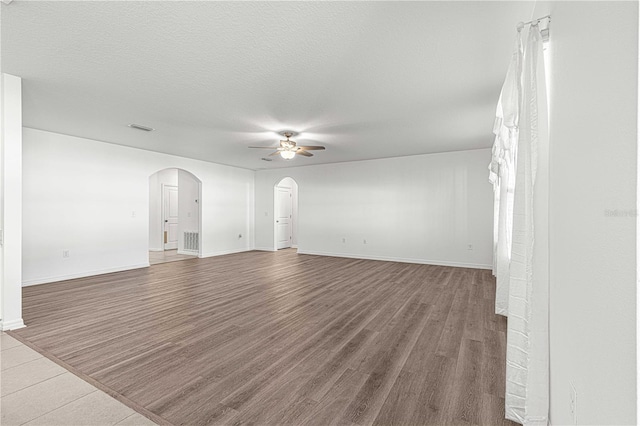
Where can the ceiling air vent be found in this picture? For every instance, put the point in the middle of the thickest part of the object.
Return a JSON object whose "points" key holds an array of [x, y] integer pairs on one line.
{"points": [[140, 127]]}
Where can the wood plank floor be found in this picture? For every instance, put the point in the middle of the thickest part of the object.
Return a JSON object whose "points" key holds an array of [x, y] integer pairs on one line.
{"points": [[281, 338]]}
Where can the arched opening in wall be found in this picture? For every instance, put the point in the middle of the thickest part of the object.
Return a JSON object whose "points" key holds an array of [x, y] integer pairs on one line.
{"points": [[285, 206], [175, 226]]}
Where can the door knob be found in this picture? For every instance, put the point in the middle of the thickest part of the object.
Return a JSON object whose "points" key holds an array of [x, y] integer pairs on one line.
{"points": [[277, 221]]}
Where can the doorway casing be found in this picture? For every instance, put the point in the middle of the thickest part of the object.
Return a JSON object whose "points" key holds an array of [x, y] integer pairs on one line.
{"points": [[287, 184], [189, 209]]}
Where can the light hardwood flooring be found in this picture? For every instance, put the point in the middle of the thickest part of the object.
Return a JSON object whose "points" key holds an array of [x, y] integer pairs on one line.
{"points": [[281, 338]]}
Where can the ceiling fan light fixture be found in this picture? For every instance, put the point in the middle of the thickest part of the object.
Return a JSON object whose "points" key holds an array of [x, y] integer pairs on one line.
{"points": [[287, 155], [288, 148]]}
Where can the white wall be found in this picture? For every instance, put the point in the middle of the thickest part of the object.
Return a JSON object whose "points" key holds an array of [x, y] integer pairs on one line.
{"points": [[11, 202], [188, 205], [92, 198], [163, 177], [593, 172], [423, 209]]}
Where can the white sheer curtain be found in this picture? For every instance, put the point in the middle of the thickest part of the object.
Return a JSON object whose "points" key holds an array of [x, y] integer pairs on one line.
{"points": [[502, 173], [527, 284]]}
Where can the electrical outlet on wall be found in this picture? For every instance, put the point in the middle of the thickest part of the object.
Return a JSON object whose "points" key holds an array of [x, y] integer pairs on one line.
{"points": [[344, 240], [573, 403], [65, 253], [469, 246]]}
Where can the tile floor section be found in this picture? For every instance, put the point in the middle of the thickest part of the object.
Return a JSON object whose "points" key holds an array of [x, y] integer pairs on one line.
{"points": [[156, 257], [36, 391]]}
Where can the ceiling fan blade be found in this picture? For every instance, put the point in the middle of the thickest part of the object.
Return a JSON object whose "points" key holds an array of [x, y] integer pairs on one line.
{"points": [[303, 152], [265, 147], [274, 153], [312, 148]]}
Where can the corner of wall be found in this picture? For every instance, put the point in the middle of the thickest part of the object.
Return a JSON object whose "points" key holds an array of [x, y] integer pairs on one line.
{"points": [[12, 325], [11, 188]]}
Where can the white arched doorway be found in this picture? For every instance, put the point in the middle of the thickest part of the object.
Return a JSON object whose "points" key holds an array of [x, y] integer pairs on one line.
{"points": [[285, 213], [175, 224]]}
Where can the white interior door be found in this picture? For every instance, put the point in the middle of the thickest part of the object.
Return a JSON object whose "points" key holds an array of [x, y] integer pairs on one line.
{"points": [[170, 216], [283, 217]]}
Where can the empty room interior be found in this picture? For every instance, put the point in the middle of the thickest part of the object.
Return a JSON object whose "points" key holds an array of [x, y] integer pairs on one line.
{"points": [[314, 213]]}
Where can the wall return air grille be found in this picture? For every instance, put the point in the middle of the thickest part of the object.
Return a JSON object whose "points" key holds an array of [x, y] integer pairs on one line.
{"points": [[191, 241]]}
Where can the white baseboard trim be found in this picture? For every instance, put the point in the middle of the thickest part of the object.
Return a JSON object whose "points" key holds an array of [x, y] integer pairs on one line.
{"points": [[156, 249], [46, 280], [399, 259], [223, 252], [188, 252], [295, 246], [265, 249], [12, 325]]}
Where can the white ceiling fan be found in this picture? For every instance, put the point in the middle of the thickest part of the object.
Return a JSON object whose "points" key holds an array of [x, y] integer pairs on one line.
{"points": [[288, 148]]}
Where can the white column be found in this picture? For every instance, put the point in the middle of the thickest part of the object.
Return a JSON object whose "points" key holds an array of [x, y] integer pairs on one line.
{"points": [[11, 202]]}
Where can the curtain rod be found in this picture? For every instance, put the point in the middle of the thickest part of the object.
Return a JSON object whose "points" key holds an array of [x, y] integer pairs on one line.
{"points": [[537, 20], [544, 32]]}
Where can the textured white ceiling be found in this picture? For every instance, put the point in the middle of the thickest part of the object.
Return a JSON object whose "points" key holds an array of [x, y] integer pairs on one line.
{"points": [[365, 79]]}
